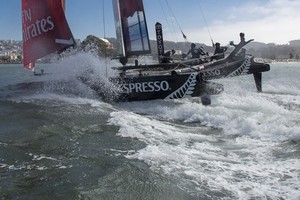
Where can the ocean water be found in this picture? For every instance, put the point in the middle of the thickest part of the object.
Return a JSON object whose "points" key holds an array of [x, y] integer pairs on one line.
{"points": [[60, 141]]}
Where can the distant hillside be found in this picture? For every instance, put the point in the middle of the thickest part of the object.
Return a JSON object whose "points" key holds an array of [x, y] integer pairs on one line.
{"points": [[258, 49], [10, 45], [295, 43]]}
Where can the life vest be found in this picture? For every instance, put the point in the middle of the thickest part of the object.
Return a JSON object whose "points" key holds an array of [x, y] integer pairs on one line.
{"points": [[195, 53]]}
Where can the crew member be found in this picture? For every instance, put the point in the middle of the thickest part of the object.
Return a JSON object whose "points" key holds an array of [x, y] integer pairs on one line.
{"points": [[196, 52], [219, 52], [168, 56]]}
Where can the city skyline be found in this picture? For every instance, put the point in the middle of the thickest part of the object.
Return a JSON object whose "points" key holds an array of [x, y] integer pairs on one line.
{"points": [[268, 21]]}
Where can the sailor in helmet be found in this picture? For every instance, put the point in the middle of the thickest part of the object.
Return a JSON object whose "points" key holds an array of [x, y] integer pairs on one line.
{"points": [[196, 52], [219, 52], [168, 56]]}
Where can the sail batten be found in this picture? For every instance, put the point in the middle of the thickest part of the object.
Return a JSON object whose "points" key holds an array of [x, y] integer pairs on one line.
{"points": [[43, 24]]}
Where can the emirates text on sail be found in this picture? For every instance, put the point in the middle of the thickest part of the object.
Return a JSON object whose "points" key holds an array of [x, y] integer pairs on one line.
{"points": [[34, 29]]}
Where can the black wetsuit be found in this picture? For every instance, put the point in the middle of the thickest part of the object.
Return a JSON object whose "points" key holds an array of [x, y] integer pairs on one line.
{"points": [[196, 52], [167, 57], [219, 53]]}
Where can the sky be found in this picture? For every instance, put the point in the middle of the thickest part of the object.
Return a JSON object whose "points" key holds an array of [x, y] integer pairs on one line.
{"points": [[268, 21]]}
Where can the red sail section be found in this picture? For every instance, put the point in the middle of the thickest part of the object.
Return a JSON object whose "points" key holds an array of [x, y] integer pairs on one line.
{"points": [[63, 4], [129, 7], [45, 29]]}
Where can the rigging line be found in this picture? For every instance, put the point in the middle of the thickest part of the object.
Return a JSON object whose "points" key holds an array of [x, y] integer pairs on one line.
{"points": [[172, 28], [104, 36], [167, 21], [103, 17], [170, 25], [205, 22], [184, 36]]}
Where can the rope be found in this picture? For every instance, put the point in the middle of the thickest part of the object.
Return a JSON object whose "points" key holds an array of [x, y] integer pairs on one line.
{"points": [[206, 24], [168, 24], [183, 35], [104, 36]]}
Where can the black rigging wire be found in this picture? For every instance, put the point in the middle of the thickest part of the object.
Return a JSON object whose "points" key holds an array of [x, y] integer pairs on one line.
{"points": [[167, 21], [103, 12], [183, 35], [104, 36], [205, 23]]}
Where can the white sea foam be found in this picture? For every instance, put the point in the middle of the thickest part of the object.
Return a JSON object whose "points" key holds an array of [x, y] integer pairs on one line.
{"points": [[62, 85], [36, 164], [73, 65], [241, 157], [244, 167]]}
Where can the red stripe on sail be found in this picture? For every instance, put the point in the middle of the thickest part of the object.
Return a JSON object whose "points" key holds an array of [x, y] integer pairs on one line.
{"points": [[45, 29], [29, 66]]}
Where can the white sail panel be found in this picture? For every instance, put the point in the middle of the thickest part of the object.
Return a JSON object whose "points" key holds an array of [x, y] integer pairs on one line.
{"points": [[131, 27]]}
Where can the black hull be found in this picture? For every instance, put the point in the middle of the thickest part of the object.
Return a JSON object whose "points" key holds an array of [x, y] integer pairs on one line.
{"points": [[185, 82], [141, 88], [240, 67]]}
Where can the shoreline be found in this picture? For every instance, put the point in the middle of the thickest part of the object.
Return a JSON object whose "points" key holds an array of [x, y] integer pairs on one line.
{"points": [[261, 60]]}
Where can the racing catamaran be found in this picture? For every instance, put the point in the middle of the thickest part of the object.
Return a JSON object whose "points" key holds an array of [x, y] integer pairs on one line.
{"points": [[45, 30]]}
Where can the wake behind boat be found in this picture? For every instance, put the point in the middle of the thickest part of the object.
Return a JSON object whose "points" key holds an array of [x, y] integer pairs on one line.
{"points": [[46, 31]]}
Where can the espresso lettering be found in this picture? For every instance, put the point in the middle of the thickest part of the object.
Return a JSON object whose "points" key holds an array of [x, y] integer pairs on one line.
{"points": [[164, 85], [212, 73], [124, 88], [151, 87], [145, 87], [138, 87], [157, 86], [131, 86]]}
